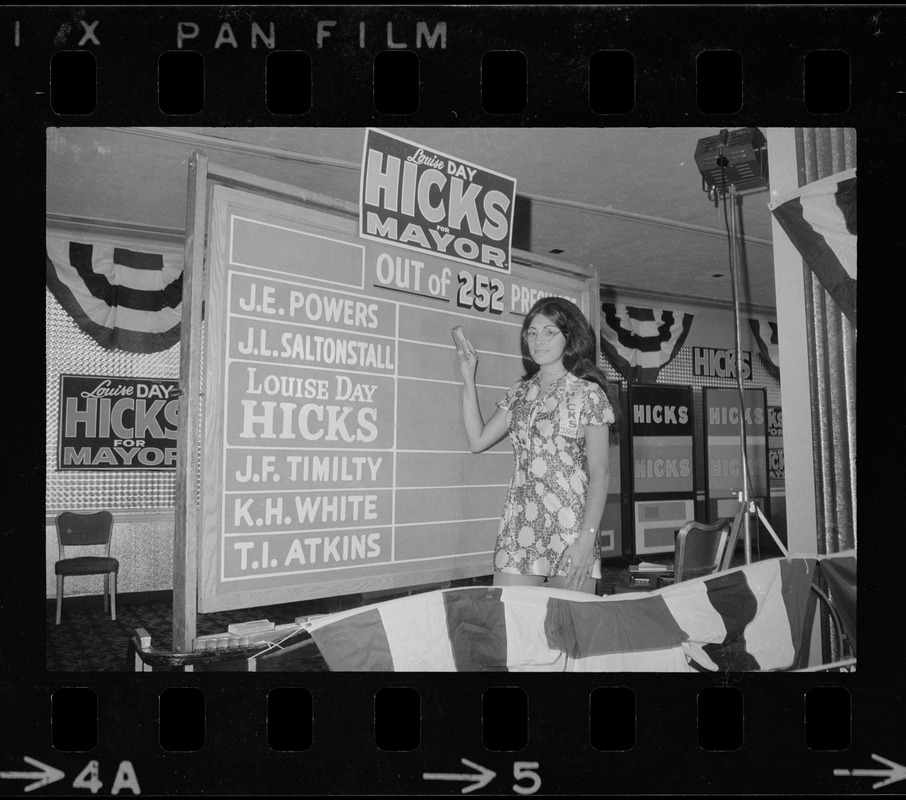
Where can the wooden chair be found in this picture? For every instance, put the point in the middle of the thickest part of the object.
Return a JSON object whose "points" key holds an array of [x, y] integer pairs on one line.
{"points": [[699, 548], [83, 530]]}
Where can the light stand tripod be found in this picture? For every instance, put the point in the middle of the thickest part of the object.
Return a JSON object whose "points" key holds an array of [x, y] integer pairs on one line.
{"points": [[745, 510], [746, 507]]}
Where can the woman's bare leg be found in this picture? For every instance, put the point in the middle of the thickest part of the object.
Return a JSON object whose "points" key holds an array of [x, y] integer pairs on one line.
{"points": [[509, 579], [560, 583]]}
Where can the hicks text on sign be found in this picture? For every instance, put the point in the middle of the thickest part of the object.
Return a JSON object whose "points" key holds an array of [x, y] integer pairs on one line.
{"points": [[117, 423], [428, 201], [711, 363]]}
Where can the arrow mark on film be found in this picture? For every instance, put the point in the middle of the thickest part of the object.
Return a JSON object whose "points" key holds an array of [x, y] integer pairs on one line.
{"points": [[483, 778], [45, 776], [897, 772]]}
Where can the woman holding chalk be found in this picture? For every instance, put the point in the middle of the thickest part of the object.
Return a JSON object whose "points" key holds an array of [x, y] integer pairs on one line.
{"points": [[558, 417]]}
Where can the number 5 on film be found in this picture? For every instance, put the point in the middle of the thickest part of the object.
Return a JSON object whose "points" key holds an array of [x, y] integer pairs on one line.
{"points": [[526, 770]]}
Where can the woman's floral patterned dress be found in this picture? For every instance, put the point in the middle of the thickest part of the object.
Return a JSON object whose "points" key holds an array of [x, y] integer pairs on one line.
{"points": [[545, 501]]}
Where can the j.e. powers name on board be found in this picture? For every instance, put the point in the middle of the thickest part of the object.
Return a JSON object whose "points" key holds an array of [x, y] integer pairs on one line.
{"points": [[272, 300]]}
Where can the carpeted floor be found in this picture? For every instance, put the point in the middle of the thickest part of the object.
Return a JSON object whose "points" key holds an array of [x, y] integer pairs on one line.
{"points": [[87, 640]]}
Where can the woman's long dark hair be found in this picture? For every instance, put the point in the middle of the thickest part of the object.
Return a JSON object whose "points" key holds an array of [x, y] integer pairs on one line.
{"points": [[579, 355]]}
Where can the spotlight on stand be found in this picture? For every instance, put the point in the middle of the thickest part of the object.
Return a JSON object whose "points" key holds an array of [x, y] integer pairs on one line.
{"points": [[734, 163], [738, 158]]}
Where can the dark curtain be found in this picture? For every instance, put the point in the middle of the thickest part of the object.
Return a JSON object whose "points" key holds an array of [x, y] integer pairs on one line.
{"points": [[821, 152]]}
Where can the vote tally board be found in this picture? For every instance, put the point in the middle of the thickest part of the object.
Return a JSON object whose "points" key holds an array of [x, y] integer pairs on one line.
{"points": [[334, 455], [622, 734]]}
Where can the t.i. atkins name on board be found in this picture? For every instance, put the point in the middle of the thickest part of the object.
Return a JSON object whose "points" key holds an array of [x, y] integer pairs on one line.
{"points": [[323, 32]]}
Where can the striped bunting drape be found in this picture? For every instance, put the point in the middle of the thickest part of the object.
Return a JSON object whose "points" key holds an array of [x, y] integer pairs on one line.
{"points": [[820, 220], [755, 617], [765, 332], [123, 299], [639, 341]]}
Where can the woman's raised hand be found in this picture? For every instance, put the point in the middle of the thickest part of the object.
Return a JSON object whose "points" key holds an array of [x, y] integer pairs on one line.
{"points": [[468, 364]]}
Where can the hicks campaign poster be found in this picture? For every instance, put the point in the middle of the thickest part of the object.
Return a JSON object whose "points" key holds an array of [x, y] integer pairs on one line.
{"points": [[117, 423], [425, 200]]}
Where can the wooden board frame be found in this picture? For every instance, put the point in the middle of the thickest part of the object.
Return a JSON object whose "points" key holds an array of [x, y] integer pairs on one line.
{"points": [[202, 176]]}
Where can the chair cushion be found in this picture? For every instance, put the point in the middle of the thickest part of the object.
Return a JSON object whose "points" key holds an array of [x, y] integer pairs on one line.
{"points": [[86, 565], [697, 572]]}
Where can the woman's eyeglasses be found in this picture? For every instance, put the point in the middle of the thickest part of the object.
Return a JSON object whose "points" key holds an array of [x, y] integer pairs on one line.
{"points": [[544, 335]]}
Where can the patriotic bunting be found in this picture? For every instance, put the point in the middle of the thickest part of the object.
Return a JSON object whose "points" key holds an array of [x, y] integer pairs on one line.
{"points": [[766, 338], [820, 220], [840, 576], [639, 341], [751, 618], [123, 299]]}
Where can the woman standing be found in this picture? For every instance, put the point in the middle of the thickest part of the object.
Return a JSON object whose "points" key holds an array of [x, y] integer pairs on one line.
{"points": [[558, 417]]}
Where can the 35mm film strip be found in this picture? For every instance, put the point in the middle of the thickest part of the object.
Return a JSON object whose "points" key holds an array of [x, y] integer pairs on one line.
{"points": [[197, 72]]}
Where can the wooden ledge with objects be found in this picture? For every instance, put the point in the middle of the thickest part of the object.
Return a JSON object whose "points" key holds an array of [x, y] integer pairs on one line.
{"points": [[650, 575], [637, 575], [242, 642]]}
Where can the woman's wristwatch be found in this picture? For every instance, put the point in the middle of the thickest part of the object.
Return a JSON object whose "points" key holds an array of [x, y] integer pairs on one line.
{"points": [[592, 531]]}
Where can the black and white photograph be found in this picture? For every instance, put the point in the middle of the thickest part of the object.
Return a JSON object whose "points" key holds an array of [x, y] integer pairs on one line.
{"points": [[460, 399], [452, 399]]}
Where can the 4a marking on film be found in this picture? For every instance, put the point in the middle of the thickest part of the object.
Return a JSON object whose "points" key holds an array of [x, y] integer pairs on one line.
{"points": [[88, 778], [45, 775]]}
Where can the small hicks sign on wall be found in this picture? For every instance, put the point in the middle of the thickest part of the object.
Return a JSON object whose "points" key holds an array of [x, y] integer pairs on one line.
{"points": [[117, 423]]}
